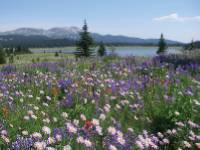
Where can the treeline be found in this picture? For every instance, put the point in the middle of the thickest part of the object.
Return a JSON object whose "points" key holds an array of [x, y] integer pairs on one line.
{"points": [[10, 52], [17, 50], [43, 41], [33, 41], [193, 45]]}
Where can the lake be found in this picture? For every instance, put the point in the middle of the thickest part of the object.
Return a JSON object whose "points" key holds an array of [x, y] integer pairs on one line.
{"points": [[121, 51]]}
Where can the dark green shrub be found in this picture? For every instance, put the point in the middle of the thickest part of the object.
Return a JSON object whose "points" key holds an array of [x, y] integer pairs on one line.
{"points": [[56, 54], [2, 56]]}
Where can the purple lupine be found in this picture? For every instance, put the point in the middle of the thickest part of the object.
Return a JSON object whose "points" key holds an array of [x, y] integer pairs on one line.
{"points": [[22, 143]]}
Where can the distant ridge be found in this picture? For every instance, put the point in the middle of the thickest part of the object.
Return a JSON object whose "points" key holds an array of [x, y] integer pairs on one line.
{"points": [[57, 33], [32, 36]]}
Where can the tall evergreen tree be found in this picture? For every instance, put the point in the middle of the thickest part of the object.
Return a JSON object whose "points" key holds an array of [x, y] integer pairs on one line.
{"points": [[162, 46], [2, 56], [192, 45], [102, 50], [85, 43]]}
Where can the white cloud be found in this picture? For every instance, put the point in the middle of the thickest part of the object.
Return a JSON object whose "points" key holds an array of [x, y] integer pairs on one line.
{"points": [[176, 17]]}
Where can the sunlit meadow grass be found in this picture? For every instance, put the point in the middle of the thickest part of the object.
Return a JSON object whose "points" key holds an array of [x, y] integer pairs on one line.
{"points": [[110, 103], [39, 57]]}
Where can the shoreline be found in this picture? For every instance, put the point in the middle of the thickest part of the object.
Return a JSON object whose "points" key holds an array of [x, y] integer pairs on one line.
{"points": [[74, 47]]}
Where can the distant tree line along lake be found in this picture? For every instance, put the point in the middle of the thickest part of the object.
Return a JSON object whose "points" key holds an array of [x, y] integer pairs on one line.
{"points": [[121, 51]]}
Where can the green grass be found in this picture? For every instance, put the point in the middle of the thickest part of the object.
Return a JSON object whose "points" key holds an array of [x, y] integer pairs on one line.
{"points": [[39, 57], [53, 48]]}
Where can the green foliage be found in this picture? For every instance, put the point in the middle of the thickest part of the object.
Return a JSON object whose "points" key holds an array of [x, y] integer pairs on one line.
{"points": [[85, 43], [35, 41], [11, 59], [102, 50], [33, 60], [110, 58], [56, 54], [38, 59], [9, 51], [162, 46], [161, 122], [191, 46], [2, 56], [22, 50]]}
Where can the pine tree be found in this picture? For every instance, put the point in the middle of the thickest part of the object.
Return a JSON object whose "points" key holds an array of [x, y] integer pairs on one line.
{"points": [[2, 56], [85, 43], [162, 46], [192, 45], [102, 50]]}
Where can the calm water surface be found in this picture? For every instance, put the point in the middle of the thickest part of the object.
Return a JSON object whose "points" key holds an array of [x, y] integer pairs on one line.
{"points": [[121, 51]]}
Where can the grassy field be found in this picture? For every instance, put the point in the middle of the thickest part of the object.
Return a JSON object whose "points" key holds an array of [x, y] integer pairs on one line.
{"points": [[54, 48], [111, 103], [39, 57]]}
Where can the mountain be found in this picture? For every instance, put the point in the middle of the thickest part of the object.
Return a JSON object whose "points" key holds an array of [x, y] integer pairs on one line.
{"points": [[69, 34], [125, 40], [60, 33], [55, 33], [24, 31]]}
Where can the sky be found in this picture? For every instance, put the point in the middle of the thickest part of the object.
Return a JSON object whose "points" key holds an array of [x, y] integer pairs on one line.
{"points": [[176, 19]]}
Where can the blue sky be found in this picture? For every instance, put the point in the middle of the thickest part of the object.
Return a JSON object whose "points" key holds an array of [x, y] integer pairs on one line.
{"points": [[177, 19]]}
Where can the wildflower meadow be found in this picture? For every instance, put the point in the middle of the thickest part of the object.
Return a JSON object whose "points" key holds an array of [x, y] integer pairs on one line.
{"points": [[96, 104]]}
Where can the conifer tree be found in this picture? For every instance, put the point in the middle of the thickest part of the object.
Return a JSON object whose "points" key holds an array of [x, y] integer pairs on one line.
{"points": [[162, 46], [102, 50], [85, 43], [2, 56], [192, 45]]}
